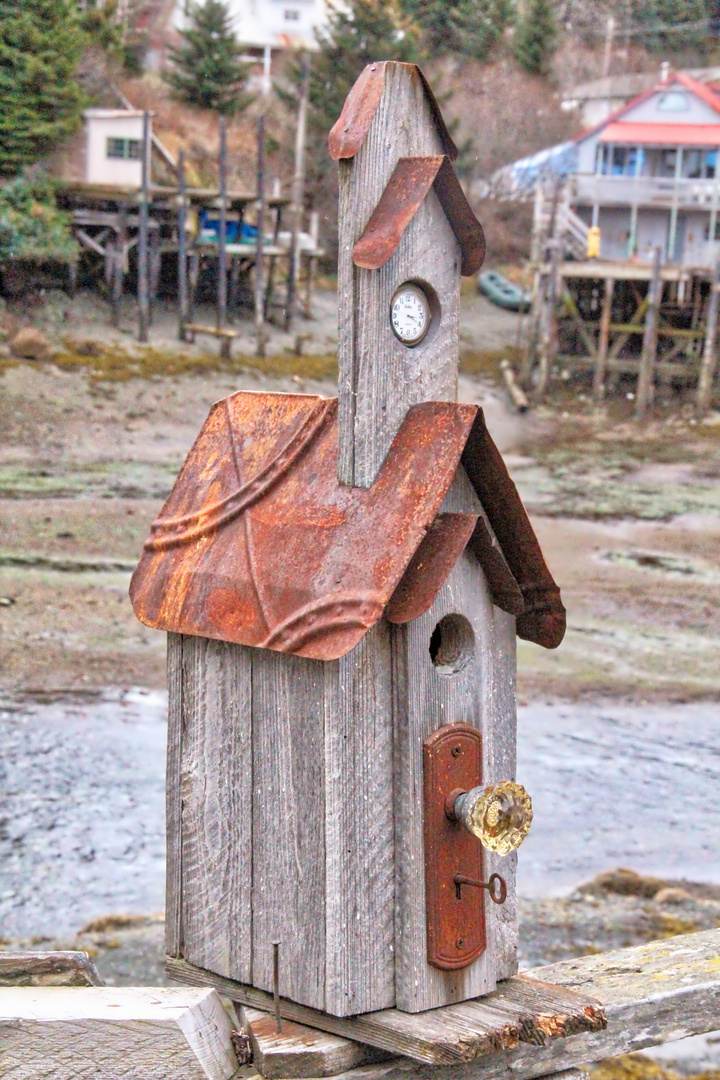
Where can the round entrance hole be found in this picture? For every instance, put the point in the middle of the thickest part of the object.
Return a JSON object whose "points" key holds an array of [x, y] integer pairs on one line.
{"points": [[452, 644]]}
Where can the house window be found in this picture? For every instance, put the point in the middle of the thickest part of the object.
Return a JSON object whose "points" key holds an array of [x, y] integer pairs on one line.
{"points": [[291, 15], [673, 101], [710, 163], [621, 161], [124, 149], [693, 164], [717, 230]]}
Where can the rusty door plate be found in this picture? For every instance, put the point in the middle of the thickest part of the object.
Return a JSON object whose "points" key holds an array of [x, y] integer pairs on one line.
{"points": [[455, 925]]}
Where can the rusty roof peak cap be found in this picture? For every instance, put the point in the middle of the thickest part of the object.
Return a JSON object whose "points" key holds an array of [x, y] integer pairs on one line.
{"points": [[403, 196], [349, 132]]}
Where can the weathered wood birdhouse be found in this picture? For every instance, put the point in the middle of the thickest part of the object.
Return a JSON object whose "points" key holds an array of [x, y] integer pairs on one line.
{"points": [[342, 581]]}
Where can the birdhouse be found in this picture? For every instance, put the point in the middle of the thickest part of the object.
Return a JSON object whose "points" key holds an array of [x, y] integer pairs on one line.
{"points": [[342, 581]]}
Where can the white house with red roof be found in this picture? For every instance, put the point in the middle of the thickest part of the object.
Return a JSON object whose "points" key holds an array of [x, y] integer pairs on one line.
{"points": [[647, 174]]}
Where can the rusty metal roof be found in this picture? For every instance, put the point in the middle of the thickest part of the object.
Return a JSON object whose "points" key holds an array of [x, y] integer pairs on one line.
{"points": [[259, 544], [405, 193], [348, 133]]}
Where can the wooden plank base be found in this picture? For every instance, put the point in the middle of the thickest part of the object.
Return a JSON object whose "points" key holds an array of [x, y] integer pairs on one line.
{"points": [[523, 1010], [109, 1033], [655, 993], [298, 1051]]}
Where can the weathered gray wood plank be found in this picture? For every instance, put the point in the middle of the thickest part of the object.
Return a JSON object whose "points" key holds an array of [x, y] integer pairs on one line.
{"points": [[458, 1033], [651, 994], [173, 799], [110, 1033], [360, 832], [434, 697], [48, 969], [298, 1051], [380, 378], [216, 790], [288, 813]]}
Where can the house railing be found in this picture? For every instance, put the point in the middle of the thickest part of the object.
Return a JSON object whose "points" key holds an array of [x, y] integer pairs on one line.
{"points": [[590, 188]]}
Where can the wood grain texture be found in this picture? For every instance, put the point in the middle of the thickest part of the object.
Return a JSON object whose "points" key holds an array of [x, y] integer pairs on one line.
{"points": [[297, 1050], [108, 1033], [359, 831], [652, 994], [427, 697], [454, 1034], [48, 969], [216, 789], [173, 799], [380, 378], [288, 811]]}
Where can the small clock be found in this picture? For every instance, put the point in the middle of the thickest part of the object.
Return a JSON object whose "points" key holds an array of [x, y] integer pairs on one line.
{"points": [[410, 314]]}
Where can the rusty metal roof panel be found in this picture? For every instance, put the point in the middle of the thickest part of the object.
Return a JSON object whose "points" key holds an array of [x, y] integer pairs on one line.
{"points": [[403, 196], [349, 132], [430, 566], [259, 544], [543, 617]]}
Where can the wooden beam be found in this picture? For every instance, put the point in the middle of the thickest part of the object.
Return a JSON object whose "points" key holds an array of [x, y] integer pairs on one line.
{"points": [[48, 969], [578, 321], [152, 1032], [520, 1010], [653, 993], [602, 349], [709, 357], [89, 242], [299, 1051], [645, 392]]}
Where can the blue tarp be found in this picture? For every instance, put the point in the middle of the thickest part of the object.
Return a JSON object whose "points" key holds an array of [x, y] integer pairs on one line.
{"points": [[519, 179]]}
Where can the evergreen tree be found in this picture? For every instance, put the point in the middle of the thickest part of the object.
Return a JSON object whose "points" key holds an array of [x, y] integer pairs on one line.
{"points": [[207, 70], [41, 42], [535, 36], [671, 25], [468, 27], [359, 33]]}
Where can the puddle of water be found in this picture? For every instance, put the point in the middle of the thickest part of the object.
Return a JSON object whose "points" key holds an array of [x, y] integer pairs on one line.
{"points": [[612, 785], [82, 809]]}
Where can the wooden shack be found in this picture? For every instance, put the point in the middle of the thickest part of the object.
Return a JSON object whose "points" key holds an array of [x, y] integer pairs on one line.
{"points": [[342, 582]]}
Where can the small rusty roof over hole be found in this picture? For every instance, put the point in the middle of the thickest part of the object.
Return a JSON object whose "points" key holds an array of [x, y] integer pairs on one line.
{"points": [[403, 196]]}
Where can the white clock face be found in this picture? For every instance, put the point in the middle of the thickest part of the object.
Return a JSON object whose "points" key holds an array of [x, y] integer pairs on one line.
{"points": [[410, 314]]}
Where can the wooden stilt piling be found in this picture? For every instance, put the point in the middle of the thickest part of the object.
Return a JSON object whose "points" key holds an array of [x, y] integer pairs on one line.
{"points": [[298, 191], [259, 286], [548, 345], [222, 241], [709, 357], [119, 267], [602, 351], [143, 305], [182, 247], [645, 392]]}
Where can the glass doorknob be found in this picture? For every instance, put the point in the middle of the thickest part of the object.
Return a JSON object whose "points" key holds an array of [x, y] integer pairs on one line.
{"points": [[499, 815]]}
